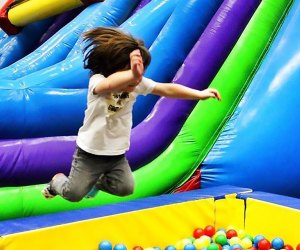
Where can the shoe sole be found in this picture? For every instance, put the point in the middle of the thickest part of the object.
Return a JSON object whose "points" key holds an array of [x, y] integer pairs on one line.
{"points": [[45, 191], [46, 194]]}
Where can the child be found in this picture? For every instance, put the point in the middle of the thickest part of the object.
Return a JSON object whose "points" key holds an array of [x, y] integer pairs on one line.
{"points": [[117, 62]]}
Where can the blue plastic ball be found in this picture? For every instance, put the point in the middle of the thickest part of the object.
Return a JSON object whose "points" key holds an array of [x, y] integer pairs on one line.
{"points": [[120, 246], [226, 247], [189, 246], [170, 247], [277, 243], [257, 238], [236, 246], [105, 245], [221, 230]]}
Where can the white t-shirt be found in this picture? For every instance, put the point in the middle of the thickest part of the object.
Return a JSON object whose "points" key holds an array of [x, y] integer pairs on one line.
{"points": [[108, 119]]}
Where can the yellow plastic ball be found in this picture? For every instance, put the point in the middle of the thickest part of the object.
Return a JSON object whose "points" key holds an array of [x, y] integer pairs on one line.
{"points": [[241, 233], [234, 240], [246, 243], [199, 244], [206, 239]]}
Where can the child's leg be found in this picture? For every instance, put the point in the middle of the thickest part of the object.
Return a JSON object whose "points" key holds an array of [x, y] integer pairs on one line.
{"points": [[118, 180], [85, 171]]}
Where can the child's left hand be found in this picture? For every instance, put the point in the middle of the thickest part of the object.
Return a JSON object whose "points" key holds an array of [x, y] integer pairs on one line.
{"points": [[211, 93]]}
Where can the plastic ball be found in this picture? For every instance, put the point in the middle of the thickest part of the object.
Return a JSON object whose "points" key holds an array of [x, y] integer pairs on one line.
{"points": [[298, 247], [170, 247], [189, 246], [191, 238], [217, 234], [206, 239], [236, 246], [287, 247], [230, 227], [234, 240], [257, 238], [198, 232], [248, 236], [241, 233], [180, 244], [209, 230], [120, 246], [186, 241], [137, 248], [231, 233], [199, 243], [252, 248], [277, 243], [221, 230], [264, 244], [213, 246], [220, 247], [246, 243], [221, 239], [226, 247], [105, 245]]}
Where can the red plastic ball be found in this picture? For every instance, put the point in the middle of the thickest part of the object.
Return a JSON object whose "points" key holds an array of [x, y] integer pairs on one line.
{"points": [[264, 244], [231, 233], [137, 248], [252, 248], [298, 247], [198, 232], [287, 247], [209, 230]]}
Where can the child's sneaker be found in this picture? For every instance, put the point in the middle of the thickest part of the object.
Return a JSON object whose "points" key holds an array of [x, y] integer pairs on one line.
{"points": [[93, 192], [48, 193]]}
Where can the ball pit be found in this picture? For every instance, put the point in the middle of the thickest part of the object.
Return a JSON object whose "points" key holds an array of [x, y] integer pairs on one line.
{"points": [[210, 238]]}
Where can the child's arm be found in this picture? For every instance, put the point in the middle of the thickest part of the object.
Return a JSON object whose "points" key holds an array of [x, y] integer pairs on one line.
{"points": [[174, 90], [122, 79], [115, 82]]}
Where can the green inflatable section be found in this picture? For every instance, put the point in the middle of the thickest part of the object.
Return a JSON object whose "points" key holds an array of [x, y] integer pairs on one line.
{"points": [[179, 161]]}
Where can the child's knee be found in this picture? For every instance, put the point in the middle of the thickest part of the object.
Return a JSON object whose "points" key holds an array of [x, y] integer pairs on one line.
{"points": [[73, 196], [125, 190]]}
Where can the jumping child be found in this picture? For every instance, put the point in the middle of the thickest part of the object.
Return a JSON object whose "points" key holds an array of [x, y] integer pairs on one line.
{"points": [[117, 62]]}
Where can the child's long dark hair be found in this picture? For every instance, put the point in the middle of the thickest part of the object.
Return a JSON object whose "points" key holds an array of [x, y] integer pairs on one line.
{"points": [[108, 49]]}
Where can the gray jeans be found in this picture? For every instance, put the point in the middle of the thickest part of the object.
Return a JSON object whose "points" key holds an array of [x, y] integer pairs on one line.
{"points": [[111, 174]]}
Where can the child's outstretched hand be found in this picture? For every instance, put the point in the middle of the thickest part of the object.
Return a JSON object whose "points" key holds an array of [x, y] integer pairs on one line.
{"points": [[211, 93], [136, 65]]}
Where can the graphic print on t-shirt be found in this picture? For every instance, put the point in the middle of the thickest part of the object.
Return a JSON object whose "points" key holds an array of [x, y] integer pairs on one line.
{"points": [[116, 101]]}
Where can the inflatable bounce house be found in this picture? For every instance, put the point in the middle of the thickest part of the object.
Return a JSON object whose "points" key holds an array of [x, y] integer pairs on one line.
{"points": [[209, 175]]}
